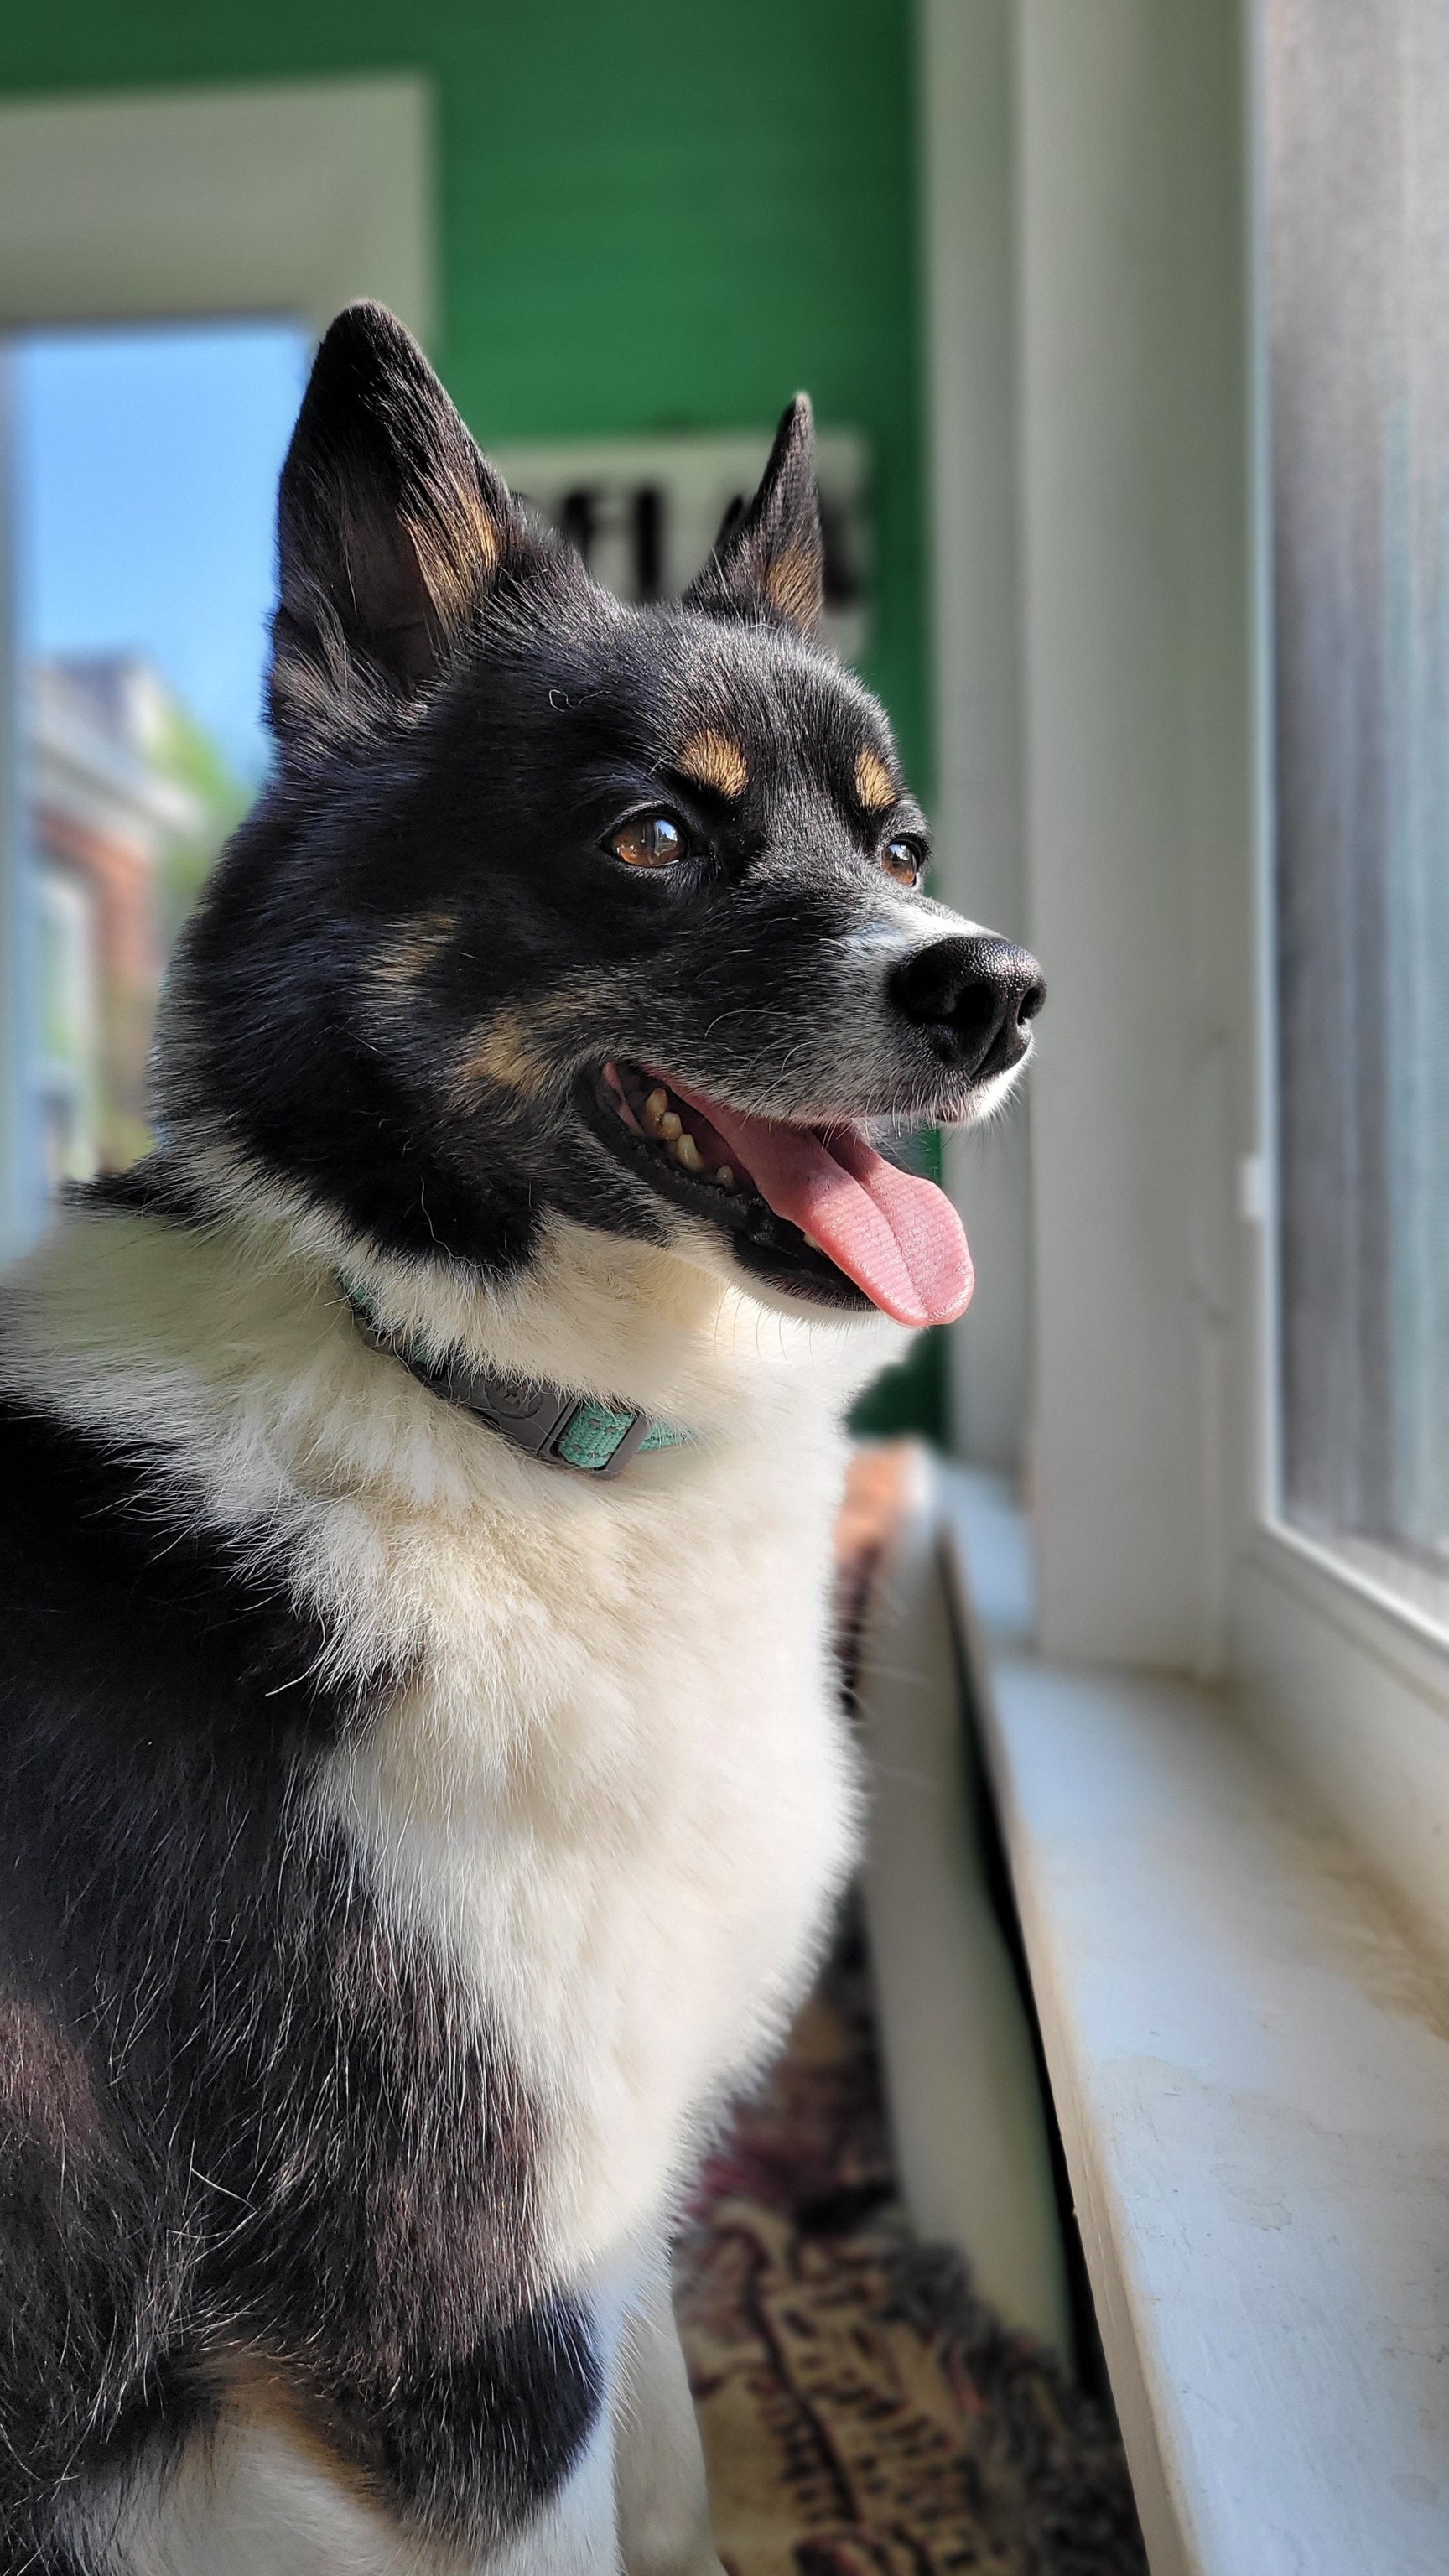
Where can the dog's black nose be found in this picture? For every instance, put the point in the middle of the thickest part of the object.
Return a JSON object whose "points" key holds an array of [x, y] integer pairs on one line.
{"points": [[974, 998]]}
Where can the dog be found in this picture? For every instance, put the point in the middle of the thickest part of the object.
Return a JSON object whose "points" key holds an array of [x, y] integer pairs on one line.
{"points": [[424, 1784]]}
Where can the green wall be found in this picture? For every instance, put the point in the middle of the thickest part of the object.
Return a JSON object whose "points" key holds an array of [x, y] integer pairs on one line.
{"points": [[654, 214]]}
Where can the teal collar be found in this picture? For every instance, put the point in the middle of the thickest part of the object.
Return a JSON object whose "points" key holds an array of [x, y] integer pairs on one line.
{"points": [[546, 1422]]}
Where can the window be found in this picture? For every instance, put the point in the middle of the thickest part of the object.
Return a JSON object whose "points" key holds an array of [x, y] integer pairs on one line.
{"points": [[143, 479], [1356, 126]]}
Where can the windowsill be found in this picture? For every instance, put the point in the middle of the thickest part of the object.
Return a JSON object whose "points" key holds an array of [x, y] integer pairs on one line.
{"points": [[1251, 2069]]}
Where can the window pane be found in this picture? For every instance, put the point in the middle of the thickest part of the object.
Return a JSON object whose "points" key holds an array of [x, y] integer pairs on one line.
{"points": [[144, 465], [1358, 279]]}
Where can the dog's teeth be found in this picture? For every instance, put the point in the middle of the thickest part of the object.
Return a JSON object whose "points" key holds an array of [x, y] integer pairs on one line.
{"points": [[654, 1109], [671, 1126], [725, 1177], [810, 1239], [687, 1152]]}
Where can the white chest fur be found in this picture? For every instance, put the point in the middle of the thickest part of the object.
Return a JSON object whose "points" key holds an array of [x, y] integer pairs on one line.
{"points": [[619, 1791], [616, 1785]]}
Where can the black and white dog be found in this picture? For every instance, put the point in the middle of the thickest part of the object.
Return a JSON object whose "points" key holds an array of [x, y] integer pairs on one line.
{"points": [[422, 1781]]}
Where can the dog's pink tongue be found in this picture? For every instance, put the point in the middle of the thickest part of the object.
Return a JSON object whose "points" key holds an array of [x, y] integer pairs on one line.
{"points": [[896, 1236]]}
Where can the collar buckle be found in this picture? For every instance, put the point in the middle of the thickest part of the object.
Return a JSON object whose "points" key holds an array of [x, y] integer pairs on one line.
{"points": [[573, 1432], [578, 1433]]}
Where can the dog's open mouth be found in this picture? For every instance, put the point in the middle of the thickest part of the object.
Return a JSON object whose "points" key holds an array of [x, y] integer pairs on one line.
{"points": [[817, 1209]]}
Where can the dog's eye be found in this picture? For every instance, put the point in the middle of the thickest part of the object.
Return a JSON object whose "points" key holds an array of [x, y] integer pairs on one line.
{"points": [[902, 860], [648, 841]]}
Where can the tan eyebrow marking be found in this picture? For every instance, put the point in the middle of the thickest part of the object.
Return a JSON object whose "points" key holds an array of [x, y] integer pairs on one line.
{"points": [[712, 760], [873, 782]]}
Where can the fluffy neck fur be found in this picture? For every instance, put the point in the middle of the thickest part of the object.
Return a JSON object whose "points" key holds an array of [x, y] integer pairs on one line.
{"points": [[227, 1353], [112, 1296]]}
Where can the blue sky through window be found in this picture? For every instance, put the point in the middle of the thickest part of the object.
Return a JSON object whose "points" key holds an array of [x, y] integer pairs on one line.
{"points": [[146, 473]]}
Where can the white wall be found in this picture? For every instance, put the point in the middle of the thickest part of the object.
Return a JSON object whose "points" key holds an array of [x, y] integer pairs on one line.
{"points": [[1087, 297], [1136, 660]]}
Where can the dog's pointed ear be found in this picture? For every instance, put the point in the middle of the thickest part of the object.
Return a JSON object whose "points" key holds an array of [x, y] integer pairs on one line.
{"points": [[772, 557], [390, 523]]}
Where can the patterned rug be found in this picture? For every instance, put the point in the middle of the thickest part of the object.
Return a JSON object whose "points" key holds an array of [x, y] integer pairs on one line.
{"points": [[863, 2413]]}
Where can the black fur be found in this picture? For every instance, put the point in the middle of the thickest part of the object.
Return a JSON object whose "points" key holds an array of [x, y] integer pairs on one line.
{"points": [[462, 718], [238, 2121], [241, 2128]]}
